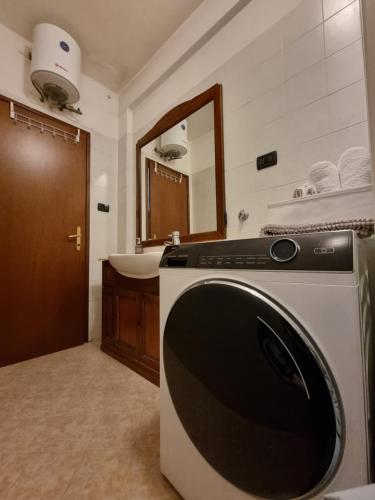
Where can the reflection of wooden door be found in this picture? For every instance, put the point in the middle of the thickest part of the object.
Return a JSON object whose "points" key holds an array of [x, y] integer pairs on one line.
{"points": [[167, 201], [43, 186]]}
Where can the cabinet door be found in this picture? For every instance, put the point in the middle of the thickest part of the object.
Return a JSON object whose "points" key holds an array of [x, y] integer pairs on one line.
{"points": [[149, 338], [108, 333], [128, 324]]}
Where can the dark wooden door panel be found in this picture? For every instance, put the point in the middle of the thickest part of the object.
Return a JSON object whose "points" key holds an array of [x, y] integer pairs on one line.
{"points": [[131, 308], [149, 340], [108, 317], [43, 186], [128, 321]]}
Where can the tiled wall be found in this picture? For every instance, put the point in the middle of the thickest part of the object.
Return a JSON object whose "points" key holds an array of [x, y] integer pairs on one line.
{"points": [[306, 98], [298, 88], [103, 226]]}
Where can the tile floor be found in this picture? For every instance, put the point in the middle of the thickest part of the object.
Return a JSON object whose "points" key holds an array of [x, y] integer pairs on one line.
{"points": [[79, 425]]}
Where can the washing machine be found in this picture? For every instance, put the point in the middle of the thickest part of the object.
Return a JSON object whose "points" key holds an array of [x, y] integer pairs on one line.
{"points": [[266, 367]]}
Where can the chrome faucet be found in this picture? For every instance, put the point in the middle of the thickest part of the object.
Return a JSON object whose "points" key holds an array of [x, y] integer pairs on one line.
{"points": [[175, 238]]}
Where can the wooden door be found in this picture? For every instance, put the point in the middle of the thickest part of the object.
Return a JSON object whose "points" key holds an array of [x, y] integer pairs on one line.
{"points": [[167, 200], [149, 351], [43, 198]]}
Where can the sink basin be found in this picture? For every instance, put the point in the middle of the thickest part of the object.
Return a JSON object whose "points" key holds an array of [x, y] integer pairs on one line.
{"points": [[142, 266]]}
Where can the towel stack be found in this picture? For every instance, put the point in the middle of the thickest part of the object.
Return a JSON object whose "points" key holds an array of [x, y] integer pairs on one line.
{"points": [[324, 176], [354, 166]]}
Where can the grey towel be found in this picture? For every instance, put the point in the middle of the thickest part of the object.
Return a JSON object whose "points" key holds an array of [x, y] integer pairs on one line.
{"points": [[363, 227]]}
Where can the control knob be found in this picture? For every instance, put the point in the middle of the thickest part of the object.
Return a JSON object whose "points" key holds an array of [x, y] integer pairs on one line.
{"points": [[284, 250]]}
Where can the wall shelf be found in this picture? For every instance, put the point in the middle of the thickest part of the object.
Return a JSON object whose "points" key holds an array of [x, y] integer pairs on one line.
{"points": [[319, 196]]}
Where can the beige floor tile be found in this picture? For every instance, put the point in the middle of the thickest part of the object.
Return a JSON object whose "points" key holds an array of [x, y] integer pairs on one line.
{"points": [[144, 479], [101, 476], [77, 424], [45, 476]]}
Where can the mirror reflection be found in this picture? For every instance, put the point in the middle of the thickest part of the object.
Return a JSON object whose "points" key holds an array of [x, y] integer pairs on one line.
{"points": [[178, 178]]}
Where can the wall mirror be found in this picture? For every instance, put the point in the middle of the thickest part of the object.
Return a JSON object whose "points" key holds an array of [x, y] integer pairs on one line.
{"points": [[180, 173]]}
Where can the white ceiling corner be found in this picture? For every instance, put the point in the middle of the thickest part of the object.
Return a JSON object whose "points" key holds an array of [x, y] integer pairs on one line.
{"points": [[117, 37]]}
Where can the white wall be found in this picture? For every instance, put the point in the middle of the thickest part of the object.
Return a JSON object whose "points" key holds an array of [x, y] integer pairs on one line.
{"points": [[293, 80], [203, 192], [100, 118]]}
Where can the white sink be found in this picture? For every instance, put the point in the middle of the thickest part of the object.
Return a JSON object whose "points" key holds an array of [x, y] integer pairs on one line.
{"points": [[142, 266]]}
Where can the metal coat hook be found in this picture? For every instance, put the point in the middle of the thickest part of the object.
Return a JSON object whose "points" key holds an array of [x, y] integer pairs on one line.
{"points": [[243, 215], [42, 127]]}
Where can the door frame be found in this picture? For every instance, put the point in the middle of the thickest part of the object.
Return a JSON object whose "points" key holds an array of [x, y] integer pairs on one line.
{"points": [[87, 211]]}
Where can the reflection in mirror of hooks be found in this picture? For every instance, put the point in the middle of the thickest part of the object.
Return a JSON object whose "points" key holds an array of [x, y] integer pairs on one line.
{"points": [[167, 176]]}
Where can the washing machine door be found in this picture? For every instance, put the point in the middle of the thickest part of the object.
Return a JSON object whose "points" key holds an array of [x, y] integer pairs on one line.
{"points": [[251, 391]]}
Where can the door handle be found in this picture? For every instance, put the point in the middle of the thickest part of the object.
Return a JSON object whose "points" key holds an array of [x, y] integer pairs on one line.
{"points": [[77, 238], [276, 362]]}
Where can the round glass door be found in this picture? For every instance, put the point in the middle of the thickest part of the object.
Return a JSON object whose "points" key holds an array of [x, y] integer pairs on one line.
{"points": [[251, 392]]}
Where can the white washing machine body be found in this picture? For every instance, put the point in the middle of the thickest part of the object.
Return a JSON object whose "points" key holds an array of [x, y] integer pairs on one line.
{"points": [[265, 370]]}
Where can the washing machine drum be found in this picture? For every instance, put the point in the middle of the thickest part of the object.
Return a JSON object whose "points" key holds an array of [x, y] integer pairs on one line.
{"points": [[251, 391]]}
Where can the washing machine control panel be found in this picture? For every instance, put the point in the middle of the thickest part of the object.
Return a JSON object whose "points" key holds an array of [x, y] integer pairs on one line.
{"points": [[331, 251], [233, 261]]}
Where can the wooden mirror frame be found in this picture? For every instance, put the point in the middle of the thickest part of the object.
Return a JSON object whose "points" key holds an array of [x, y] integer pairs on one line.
{"points": [[170, 119]]}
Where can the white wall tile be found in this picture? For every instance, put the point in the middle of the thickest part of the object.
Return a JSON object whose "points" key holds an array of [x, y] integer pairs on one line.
{"points": [[331, 7], [246, 130], [304, 52], [345, 67], [264, 47], [239, 230], [255, 83], [305, 154], [95, 291], [347, 107], [307, 87], [309, 122], [342, 29], [268, 107], [357, 135], [273, 136], [95, 271], [103, 226], [95, 319], [302, 19]]}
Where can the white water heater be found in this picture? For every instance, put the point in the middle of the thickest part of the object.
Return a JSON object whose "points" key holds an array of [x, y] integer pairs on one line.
{"points": [[55, 64], [174, 141]]}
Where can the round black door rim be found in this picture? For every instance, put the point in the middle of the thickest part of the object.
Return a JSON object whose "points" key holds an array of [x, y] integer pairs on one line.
{"points": [[318, 357]]}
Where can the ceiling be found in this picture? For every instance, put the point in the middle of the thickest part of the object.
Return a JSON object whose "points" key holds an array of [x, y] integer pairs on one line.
{"points": [[117, 37]]}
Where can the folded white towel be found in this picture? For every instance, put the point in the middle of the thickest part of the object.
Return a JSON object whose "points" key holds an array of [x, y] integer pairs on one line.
{"points": [[354, 167], [324, 176]]}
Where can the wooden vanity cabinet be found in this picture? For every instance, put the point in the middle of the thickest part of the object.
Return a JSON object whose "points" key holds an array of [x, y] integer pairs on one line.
{"points": [[130, 321]]}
